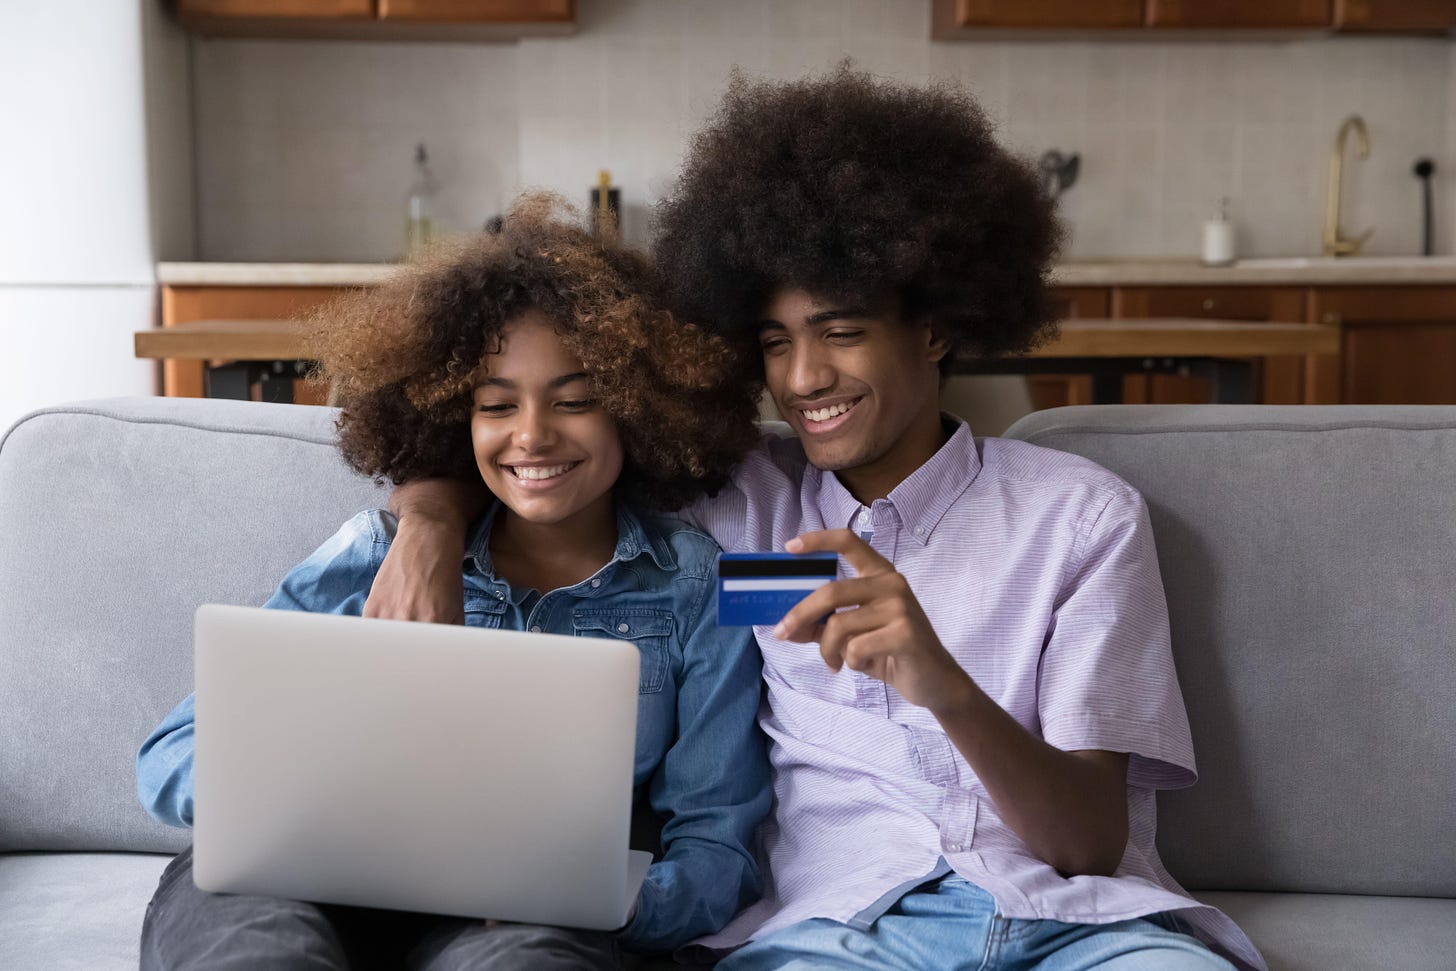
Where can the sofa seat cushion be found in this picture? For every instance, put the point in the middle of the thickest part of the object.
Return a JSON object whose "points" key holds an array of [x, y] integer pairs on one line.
{"points": [[81, 911], [1318, 931]]}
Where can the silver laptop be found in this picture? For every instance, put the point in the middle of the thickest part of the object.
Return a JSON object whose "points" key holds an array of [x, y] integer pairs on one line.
{"points": [[421, 767]]}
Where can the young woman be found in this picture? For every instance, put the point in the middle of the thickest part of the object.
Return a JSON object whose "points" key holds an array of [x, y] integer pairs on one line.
{"points": [[539, 361]]}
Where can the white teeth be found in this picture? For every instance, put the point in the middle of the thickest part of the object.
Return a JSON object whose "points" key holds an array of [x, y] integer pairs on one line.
{"points": [[824, 414], [539, 471]]}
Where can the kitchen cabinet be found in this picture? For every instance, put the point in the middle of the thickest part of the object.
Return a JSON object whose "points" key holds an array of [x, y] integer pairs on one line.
{"points": [[188, 10], [1239, 13], [1279, 380], [972, 19], [184, 304], [427, 20], [1057, 390], [476, 11], [284, 9], [1399, 345], [1398, 15], [1048, 13]]}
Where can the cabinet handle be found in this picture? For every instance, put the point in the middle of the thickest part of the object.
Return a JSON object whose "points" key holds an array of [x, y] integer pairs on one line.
{"points": [[1208, 303]]}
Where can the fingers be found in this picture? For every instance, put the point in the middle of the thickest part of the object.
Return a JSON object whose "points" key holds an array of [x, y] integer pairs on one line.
{"points": [[803, 618], [856, 552], [840, 629]]}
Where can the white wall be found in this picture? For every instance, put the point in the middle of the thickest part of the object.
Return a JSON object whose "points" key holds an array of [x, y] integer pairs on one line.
{"points": [[304, 147], [73, 146], [95, 164]]}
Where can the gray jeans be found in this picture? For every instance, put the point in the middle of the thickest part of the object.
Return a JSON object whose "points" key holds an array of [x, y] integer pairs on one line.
{"points": [[190, 928]]}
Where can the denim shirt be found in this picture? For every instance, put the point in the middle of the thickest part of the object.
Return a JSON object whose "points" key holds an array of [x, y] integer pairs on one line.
{"points": [[701, 760]]}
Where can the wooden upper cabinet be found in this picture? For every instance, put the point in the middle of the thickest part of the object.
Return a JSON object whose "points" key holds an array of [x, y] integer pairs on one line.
{"points": [[477, 11], [1271, 14], [409, 20], [1039, 14], [1400, 15], [190, 11]]}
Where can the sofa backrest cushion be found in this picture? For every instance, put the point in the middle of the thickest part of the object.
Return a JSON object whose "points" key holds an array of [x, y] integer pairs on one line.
{"points": [[119, 518], [1309, 556]]}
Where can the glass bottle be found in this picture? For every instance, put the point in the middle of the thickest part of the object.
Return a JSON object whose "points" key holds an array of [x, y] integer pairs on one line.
{"points": [[420, 209]]}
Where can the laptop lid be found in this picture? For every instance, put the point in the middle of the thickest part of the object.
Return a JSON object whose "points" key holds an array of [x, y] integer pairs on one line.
{"points": [[409, 766]]}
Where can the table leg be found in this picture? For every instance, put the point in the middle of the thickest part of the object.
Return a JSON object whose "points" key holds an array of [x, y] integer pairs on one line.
{"points": [[276, 384], [1230, 382], [1107, 387], [230, 381]]}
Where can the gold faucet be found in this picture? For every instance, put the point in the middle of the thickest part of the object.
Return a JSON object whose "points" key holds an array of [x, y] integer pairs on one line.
{"points": [[1334, 243]]}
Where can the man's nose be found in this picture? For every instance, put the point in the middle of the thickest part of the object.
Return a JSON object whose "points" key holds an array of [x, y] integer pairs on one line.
{"points": [[809, 373]]}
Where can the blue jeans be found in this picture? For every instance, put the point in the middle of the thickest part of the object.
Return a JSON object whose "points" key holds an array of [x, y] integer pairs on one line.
{"points": [[953, 924]]}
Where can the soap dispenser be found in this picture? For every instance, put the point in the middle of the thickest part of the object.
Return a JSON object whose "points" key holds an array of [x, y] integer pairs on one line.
{"points": [[1218, 237]]}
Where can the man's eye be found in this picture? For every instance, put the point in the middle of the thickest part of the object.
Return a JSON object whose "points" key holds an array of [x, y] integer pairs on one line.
{"points": [[845, 335]]}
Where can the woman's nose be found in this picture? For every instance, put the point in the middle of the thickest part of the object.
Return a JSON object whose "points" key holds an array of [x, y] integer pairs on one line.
{"points": [[534, 430]]}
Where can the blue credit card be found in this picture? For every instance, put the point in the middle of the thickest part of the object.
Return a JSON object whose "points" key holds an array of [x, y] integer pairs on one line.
{"points": [[757, 589]]}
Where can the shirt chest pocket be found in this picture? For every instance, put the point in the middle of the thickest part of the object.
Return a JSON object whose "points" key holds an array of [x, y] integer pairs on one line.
{"points": [[650, 630], [484, 610]]}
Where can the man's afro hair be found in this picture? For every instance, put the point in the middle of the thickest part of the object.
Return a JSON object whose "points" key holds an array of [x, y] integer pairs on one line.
{"points": [[854, 188]]}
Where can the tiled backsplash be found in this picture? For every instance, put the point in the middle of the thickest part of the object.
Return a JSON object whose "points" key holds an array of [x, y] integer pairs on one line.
{"points": [[304, 149]]}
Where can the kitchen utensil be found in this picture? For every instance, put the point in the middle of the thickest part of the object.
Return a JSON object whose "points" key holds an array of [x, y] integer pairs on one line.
{"points": [[1058, 171], [1424, 169]]}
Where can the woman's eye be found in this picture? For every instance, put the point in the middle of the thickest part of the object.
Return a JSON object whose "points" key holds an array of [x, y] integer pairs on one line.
{"points": [[577, 405], [770, 346], [492, 409]]}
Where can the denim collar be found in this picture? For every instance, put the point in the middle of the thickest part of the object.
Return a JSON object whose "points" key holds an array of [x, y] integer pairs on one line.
{"points": [[634, 538]]}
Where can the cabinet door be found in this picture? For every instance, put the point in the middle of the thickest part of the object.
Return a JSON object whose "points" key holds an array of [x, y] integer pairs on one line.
{"points": [[1399, 344], [1280, 380], [189, 10], [180, 305], [1048, 13], [1418, 15], [477, 11], [1239, 13], [1057, 390]]}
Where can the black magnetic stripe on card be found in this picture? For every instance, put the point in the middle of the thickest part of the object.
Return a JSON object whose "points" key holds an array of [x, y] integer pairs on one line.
{"points": [[778, 568]]}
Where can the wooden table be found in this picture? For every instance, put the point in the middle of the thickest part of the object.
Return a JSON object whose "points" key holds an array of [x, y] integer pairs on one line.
{"points": [[271, 352]]}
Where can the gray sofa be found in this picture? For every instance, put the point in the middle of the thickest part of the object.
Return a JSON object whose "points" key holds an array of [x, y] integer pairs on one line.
{"points": [[1309, 556]]}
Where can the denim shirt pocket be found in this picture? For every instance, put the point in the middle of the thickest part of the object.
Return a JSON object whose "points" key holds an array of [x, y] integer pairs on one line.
{"points": [[483, 610], [650, 630]]}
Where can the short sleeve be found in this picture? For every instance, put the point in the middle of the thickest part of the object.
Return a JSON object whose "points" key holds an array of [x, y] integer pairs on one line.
{"points": [[761, 505], [1107, 679]]}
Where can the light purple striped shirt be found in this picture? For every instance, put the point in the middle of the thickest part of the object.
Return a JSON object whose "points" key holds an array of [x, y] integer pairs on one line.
{"points": [[1037, 570]]}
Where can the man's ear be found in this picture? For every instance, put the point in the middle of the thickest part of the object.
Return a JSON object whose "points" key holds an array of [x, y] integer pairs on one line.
{"points": [[937, 343]]}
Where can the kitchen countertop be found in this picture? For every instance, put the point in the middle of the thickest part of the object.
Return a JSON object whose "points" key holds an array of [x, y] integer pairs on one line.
{"points": [[1294, 271]]}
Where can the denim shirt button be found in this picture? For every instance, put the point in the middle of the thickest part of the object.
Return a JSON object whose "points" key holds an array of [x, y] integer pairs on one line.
{"points": [[596, 583], [622, 628], [536, 630]]}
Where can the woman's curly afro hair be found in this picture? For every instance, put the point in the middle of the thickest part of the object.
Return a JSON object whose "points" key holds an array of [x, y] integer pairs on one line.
{"points": [[403, 359], [859, 189]]}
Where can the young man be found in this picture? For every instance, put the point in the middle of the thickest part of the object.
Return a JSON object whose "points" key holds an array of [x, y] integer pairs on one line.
{"points": [[966, 752]]}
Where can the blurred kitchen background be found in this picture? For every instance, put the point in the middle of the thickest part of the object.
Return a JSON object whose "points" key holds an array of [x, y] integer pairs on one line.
{"points": [[148, 150]]}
